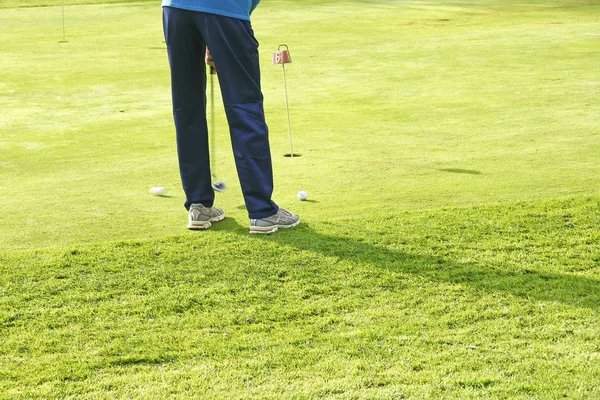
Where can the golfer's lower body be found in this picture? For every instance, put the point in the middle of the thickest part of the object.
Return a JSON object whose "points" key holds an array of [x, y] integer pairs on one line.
{"points": [[234, 50]]}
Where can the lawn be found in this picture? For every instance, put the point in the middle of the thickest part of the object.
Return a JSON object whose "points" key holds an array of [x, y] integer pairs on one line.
{"points": [[450, 242]]}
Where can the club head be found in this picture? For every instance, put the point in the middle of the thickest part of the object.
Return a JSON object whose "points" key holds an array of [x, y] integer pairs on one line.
{"points": [[219, 186]]}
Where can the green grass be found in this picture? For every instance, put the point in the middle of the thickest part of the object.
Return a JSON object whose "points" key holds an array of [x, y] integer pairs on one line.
{"points": [[395, 105], [449, 247], [492, 301], [61, 3]]}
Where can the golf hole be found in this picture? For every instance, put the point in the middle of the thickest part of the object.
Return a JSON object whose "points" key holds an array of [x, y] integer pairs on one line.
{"points": [[292, 155]]}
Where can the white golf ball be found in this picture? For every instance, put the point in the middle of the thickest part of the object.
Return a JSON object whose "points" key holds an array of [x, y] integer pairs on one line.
{"points": [[157, 190], [302, 195]]}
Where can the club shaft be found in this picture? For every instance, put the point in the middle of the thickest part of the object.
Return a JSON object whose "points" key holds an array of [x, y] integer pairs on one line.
{"points": [[212, 123]]}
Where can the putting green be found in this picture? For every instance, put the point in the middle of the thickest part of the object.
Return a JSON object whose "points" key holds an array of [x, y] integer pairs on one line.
{"points": [[394, 106], [449, 243]]}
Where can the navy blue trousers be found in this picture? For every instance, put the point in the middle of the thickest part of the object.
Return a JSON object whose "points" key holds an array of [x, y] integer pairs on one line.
{"points": [[235, 53]]}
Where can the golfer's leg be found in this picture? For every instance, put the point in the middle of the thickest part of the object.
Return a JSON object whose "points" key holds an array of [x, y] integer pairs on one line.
{"points": [[185, 47], [235, 52]]}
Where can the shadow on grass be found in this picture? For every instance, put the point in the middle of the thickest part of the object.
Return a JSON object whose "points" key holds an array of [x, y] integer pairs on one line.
{"points": [[461, 171], [576, 291]]}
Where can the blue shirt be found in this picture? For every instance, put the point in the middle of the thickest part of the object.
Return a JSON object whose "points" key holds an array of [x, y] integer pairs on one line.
{"points": [[230, 8]]}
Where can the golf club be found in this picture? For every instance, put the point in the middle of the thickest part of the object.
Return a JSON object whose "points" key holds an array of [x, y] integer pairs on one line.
{"points": [[218, 184]]}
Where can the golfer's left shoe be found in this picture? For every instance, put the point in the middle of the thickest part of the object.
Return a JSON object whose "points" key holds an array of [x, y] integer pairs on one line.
{"points": [[201, 217], [281, 219]]}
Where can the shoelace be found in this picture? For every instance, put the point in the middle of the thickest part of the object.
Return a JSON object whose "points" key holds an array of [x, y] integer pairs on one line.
{"points": [[209, 211], [284, 214]]}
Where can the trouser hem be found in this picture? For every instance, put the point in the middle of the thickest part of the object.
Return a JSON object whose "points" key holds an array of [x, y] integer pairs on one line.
{"points": [[263, 214]]}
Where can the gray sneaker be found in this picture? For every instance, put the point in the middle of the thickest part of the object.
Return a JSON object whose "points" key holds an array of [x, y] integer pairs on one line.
{"points": [[200, 217], [281, 219]]}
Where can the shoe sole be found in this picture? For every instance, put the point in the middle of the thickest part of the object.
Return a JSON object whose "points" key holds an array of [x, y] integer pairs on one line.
{"points": [[271, 229], [203, 225]]}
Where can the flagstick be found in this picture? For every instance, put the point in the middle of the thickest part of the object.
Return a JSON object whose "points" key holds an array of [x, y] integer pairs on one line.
{"points": [[63, 20]]}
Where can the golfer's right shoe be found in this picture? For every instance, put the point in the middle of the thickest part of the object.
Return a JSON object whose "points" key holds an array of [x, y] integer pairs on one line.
{"points": [[201, 217], [281, 219]]}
